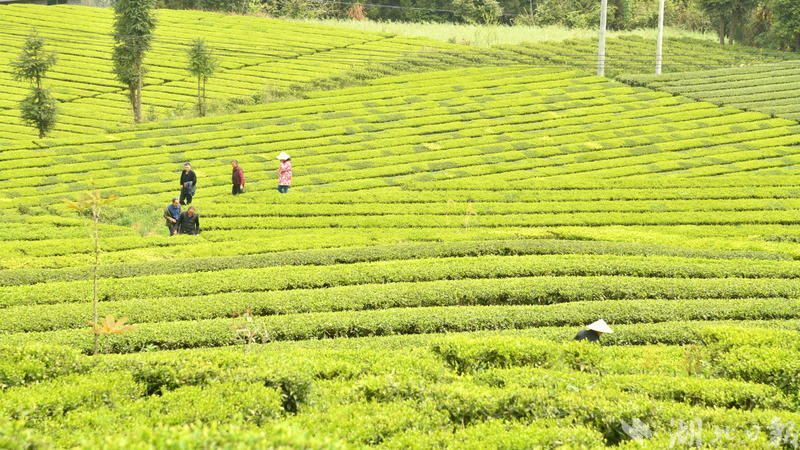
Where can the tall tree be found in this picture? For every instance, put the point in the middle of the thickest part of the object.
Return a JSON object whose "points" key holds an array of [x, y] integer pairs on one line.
{"points": [[719, 12], [787, 23], [39, 108], [134, 22], [202, 65], [740, 12], [730, 16]]}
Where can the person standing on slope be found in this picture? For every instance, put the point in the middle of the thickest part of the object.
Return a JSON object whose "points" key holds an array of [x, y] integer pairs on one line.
{"points": [[284, 173], [188, 184], [594, 331], [171, 215], [237, 179], [189, 222]]}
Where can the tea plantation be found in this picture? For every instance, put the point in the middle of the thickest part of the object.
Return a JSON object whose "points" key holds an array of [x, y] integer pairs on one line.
{"points": [[770, 88], [447, 233], [255, 56], [635, 55], [261, 58]]}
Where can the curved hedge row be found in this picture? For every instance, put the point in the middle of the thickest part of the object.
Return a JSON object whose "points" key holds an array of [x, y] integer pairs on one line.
{"points": [[224, 332]]}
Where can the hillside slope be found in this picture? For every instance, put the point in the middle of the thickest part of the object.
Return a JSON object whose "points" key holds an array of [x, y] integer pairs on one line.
{"points": [[467, 127], [256, 55], [446, 235], [769, 88], [457, 202], [636, 55], [260, 57]]}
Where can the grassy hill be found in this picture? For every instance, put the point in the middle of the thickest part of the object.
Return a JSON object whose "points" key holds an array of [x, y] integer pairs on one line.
{"points": [[489, 35], [447, 235]]}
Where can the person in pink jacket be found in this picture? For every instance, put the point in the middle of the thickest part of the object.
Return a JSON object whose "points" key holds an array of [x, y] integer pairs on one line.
{"points": [[284, 173]]}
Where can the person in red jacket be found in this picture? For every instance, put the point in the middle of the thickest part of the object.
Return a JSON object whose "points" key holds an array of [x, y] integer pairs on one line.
{"points": [[284, 173], [237, 179]]}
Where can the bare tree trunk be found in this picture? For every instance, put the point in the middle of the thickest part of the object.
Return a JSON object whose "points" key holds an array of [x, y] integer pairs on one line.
{"points": [[721, 31], [137, 109], [732, 31], [96, 218], [132, 98], [38, 91], [204, 97], [199, 98]]}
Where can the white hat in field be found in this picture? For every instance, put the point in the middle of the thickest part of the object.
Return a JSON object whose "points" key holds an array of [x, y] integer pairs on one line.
{"points": [[284, 156], [600, 326]]}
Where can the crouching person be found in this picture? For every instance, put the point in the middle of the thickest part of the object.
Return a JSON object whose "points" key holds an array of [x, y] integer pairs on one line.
{"points": [[189, 222], [594, 331]]}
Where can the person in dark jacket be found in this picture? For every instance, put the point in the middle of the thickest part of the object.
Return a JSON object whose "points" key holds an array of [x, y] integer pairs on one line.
{"points": [[188, 184], [237, 179], [171, 215], [189, 222], [594, 331]]}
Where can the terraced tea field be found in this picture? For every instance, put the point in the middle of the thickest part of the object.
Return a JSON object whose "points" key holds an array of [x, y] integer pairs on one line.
{"points": [[255, 56], [451, 230], [259, 57], [769, 88], [635, 55], [445, 237]]}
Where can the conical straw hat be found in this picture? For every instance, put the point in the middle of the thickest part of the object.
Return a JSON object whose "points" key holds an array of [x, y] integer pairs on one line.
{"points": [[600, 326], [284, 156]]}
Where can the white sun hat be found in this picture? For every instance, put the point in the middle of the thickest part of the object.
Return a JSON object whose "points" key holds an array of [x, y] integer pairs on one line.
{"points": [[284, 156], [600, 326]]}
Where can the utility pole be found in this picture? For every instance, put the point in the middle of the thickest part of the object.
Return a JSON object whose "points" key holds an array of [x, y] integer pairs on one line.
{"points": [[660, 40], [601, 46]]}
